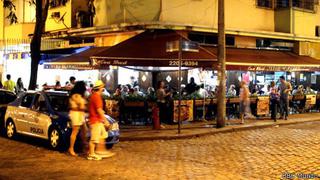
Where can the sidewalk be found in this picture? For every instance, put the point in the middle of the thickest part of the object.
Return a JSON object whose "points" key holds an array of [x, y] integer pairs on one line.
{"points": [[198, 129]]}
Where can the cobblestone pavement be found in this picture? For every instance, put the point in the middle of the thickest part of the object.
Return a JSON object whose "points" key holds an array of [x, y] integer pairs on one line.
{"points": [[253, 154]]}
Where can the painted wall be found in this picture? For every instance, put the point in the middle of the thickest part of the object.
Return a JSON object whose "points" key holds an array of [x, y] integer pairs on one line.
{"points": [[309, 49], [126, 11], [19, 31], [113, 39], [56, 23], [26, 17], [191, 12], [304, 23]]}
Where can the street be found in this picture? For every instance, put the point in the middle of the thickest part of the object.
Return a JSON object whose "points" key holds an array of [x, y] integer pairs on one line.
{"points": [[254, 154]]}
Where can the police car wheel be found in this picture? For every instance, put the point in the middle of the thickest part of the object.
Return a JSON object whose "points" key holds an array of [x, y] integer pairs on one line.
{"points": [[54, 138], [10, 129]]}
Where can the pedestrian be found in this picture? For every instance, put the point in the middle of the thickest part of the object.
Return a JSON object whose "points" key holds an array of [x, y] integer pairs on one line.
{"points": [[232, 90], [161, 101], [191, 87], [72, 82], [19, 87], [274, 100], [77, 104], [284, 88], [57, 85], [9, 84], [97, 121], [1, 86], [244, 100]]}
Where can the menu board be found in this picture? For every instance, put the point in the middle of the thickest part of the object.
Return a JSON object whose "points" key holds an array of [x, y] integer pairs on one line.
{"points": [[186, 113], [112, 108], [263, 105]]}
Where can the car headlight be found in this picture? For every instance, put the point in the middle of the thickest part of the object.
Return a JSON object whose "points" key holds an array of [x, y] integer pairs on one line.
{"points": [[115, 126]]}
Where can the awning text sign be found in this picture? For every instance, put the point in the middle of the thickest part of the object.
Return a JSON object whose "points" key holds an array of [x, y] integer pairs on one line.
{"points": [[100, 63]]}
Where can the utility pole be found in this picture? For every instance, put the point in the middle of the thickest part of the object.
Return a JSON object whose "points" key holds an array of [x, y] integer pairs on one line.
{"points": [[221, 97]]}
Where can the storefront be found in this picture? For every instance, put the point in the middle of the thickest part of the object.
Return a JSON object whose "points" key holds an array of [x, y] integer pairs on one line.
{"points": [[144, 56]]}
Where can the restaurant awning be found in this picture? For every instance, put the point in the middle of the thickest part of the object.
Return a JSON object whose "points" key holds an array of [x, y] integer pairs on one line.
{"points": [[78, 60], [267, 60], [149, 49]]}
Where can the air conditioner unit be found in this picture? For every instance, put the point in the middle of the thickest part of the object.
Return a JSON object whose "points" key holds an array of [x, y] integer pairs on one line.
{"points": [[55, 15], [317, 31]]}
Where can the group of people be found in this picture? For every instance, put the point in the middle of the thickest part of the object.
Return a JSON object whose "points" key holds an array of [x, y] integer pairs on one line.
{"points": [[68, 85], [123, 91], [279, 97], [79, 104], [10, 85]]}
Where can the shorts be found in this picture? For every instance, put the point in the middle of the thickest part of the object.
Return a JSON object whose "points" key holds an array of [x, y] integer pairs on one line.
{"points": [[77, 118], [98, 132]]}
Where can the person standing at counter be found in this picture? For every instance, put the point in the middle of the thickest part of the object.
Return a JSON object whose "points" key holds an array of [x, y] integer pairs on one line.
{"points": [[232, 90], [161, 101], [274, 99], [285, 88], [244, 100], [191, 87]]}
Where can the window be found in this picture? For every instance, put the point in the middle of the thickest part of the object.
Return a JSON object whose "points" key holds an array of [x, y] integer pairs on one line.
{"points": [[56, 3], [303, 4], [40, 104], [27, 100], [59, 102], [274, 44], [211, 39], [283, 3], [265, 3]]}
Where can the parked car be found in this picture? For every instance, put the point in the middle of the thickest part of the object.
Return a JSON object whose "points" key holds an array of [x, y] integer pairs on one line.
{"points": [[5, 98], [45, 115]]}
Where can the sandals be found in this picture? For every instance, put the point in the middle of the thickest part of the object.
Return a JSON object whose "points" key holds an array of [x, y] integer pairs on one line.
{"points": [[94, 157]]}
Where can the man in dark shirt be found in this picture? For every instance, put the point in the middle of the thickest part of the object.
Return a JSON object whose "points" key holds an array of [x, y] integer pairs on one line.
{"points": [[191, 87], [284, 88]]}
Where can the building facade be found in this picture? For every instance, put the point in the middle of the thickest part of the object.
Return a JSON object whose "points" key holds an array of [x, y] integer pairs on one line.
{"points": [[292, 25]]}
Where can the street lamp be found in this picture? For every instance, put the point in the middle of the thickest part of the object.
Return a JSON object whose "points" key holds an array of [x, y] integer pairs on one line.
{"points": [[180, 46]]}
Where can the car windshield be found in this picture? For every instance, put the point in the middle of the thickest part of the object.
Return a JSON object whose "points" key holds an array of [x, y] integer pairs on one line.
{"points": [[59, 103]]}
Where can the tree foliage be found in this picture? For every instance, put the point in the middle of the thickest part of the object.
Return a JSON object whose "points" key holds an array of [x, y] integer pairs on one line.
{"points": [[8, 4]]}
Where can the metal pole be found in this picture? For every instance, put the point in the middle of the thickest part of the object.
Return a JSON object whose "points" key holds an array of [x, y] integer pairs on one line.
{"points": [[179, 84], [204, 100], [221, 99]]}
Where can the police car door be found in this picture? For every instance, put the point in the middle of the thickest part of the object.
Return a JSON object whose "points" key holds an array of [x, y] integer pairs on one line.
{"points": [[22, 114], [40, 117]]}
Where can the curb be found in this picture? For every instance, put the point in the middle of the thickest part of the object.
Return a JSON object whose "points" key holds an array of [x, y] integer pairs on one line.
{"points": [[216, 131]]}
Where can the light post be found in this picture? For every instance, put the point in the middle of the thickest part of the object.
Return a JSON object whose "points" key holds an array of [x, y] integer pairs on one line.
{"points": [[187, 46]]}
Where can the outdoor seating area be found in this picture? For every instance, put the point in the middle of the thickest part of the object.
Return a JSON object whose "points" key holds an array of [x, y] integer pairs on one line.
{"points": [[139, 111]]}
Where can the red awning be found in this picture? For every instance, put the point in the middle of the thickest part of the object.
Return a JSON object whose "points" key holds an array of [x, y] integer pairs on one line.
{"points": [[267, 60], [149, 49]]}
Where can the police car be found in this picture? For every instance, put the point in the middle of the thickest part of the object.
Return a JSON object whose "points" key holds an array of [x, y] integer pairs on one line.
{"points": [[45, 115]]}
